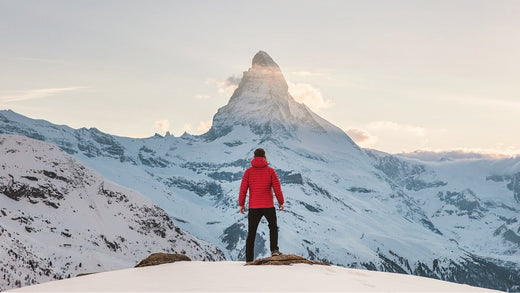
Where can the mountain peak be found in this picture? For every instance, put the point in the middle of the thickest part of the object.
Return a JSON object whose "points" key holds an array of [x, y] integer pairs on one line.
{"points": [[263, 104], [263, 59]]}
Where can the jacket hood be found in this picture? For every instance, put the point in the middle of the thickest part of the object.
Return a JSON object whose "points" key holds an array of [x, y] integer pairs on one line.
{"points": [[259, 162]]}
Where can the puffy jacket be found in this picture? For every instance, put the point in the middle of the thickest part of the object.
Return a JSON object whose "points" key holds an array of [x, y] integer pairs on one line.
{"points": [[261, 180]]}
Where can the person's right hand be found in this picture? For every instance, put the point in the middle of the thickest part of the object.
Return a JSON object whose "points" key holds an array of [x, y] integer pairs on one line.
{"points": [[242, 209], [282, 207]]}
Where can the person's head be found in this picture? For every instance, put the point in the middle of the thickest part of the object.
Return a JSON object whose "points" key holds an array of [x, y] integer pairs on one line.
{"points": [[260, 153]]}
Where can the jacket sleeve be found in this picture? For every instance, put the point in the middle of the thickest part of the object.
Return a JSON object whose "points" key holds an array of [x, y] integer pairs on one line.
{"points": [[277, 187], [243, 189]]}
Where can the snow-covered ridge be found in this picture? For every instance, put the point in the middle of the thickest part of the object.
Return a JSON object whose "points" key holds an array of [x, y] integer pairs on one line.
{"points": [[235, 277], [58, 219]]}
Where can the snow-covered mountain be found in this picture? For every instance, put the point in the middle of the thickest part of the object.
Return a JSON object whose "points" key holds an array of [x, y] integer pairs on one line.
{"points": [[344, 205], [474, 202], [58, 219]]}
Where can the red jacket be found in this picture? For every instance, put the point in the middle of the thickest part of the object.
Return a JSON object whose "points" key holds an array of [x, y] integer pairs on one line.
{"points": [[261, 181]]}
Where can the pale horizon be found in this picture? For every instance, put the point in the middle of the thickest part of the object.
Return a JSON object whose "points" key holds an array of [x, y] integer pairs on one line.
{"points": [[396, 77]]}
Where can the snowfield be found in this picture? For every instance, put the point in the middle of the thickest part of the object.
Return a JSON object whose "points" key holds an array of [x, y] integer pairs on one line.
{"points": [[229, 276]]}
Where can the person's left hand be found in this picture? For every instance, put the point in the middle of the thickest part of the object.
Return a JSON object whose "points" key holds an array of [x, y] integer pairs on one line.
{"points": [[282, 207], [242, 209]]}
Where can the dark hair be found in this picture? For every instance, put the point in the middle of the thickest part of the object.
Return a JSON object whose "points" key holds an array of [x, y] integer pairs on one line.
{"points": [[259, 152]]}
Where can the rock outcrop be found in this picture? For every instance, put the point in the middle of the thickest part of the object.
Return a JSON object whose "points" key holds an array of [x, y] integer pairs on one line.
{"points": [[162, 258], [284, 259]]}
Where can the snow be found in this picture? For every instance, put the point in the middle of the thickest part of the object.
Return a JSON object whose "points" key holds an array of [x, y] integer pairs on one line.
{"points": [[228, 276], [346, 209], [58, 218]]}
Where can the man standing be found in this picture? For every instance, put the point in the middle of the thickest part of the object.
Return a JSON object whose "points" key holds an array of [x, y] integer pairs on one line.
{"points": [[261, 180]]}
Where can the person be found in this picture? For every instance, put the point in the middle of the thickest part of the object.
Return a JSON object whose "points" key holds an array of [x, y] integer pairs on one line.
{"points": [[261, 180]]}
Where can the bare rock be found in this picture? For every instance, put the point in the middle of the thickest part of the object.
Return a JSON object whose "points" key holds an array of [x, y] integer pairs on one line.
{"points": [[162, 258], [85, 274], [284, 259]]}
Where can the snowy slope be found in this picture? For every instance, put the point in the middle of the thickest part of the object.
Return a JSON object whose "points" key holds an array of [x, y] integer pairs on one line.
{"points": [[235, 277], [343, 205], [58, 219], [473, 202]]}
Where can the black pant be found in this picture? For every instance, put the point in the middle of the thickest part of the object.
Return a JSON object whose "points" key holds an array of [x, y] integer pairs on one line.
{"points": [[253, 217]]}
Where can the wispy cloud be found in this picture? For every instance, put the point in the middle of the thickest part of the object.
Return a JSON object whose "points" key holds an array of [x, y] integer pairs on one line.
{"points": [[204, 126], [162, 125], [187, 127], [309, 95], [301, 92], [497, 152], [228, 86], [23, 95], [391, 134], [202, 97], [362, 137]]}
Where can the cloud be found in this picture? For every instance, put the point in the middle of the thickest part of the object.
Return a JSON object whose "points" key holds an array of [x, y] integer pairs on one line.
{"points": [[301, 92], [397, 127], [187, 127], [204, 126], [309, 95], [497, 152], [24, 95], [202, 97], [361, 137], [392, 136], [162, 125], [228, 86]]}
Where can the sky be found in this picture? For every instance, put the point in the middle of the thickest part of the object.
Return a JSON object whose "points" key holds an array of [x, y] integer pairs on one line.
{"points": [[397, 76]]}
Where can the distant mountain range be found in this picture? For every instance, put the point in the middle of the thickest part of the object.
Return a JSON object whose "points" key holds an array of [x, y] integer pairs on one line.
{"points": [[453, 220]]}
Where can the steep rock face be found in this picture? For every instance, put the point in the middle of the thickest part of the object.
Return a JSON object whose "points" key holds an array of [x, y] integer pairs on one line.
{"points": [[342, 206], [58, 219]]}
